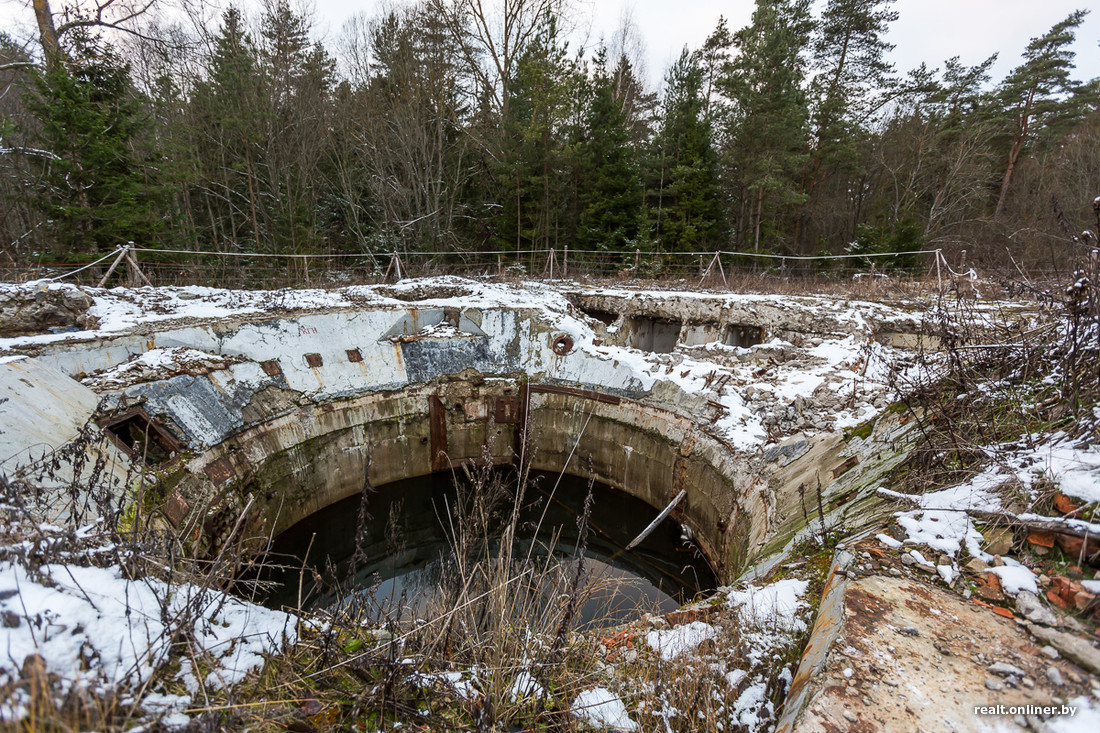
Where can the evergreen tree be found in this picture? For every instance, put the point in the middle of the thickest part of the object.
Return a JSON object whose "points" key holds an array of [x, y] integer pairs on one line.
{"points": [[298, 79], [769, 116], [227, 107], [535, 197], [687, 199], [611, 190], [639, 107], [850, 58], [714, 58], [853, 79], [1035, 93], [958, 162], [409, 126], [93, 186]]}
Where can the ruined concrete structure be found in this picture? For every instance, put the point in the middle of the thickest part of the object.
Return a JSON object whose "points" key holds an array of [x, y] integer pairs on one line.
{"points": [[271, 406], [216, 412]]}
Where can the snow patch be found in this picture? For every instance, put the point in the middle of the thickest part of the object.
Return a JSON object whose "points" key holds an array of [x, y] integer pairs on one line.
{"points": [[96, 629], [602, 709], [1015, 578], [671, 643]]}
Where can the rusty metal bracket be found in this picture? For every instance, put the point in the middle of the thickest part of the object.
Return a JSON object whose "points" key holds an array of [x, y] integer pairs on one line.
{"points": [[437, 425], [582, 393]]}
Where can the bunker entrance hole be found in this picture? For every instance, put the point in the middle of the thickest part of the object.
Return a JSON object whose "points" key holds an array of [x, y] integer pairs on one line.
{"points": [[141, 436], [656, 335], [420, 540], [607, 318], [743, 336]]}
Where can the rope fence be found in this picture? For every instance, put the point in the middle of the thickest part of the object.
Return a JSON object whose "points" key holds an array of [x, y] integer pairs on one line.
{"points": [[137, 266]]}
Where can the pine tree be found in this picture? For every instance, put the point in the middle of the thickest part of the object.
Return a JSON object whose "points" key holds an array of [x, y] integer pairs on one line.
{"points": [[534, 195], [1035, 92], [687, 202], [639, 106], [769, 116], [229, 119], [959, 162], [298, 77], [611, 191], [850, 57], [408, 132], [853, 80], [94, 186]]}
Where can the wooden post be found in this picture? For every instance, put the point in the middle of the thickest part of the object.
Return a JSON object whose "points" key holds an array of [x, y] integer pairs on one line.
{"points": [[395, 265], [706, 273], [120, 258], [134, 270], [565, 263], [637, 261]]}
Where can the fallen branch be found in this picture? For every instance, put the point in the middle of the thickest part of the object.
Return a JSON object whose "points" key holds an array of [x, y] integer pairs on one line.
{"points": [[1034, 522]]}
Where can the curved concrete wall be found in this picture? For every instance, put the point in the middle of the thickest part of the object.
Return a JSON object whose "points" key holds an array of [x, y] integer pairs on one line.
{"points": [[289, 466], [291, 412]]}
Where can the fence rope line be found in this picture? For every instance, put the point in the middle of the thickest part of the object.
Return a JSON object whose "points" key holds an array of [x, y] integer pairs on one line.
{"points": [[970, 274], [828, 257], [322, 255], [470, 258], [729, 253], [105, 257]]}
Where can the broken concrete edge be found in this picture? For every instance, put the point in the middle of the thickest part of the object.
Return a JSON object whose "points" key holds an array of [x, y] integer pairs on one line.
{"points": [[826, 629], [1074, 648], [852, 502]]}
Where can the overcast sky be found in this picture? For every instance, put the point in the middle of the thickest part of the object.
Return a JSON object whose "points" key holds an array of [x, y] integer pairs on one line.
{"points": [[928, 30]]}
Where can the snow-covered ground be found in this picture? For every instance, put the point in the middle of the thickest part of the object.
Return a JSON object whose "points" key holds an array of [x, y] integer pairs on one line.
{"points": [[762, 625], [944, 521], [92, 629]]}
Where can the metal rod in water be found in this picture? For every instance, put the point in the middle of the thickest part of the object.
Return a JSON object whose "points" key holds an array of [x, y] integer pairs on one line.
{"points": [[653, 525]]}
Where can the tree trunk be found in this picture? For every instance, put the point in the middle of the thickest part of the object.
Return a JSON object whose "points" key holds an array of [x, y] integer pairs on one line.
{"points": [[1014, 152], [251, 194], [759, 214], [47, 34]]}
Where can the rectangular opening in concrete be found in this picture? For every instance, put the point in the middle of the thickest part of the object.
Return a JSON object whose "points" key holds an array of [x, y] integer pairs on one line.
{"points": [[604, 317], [698, 334], [140, 436], [743, 336], [653, 334]]}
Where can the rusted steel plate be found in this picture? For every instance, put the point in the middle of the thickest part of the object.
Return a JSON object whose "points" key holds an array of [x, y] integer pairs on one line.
{"points": [[437, 422], [506, 411]]}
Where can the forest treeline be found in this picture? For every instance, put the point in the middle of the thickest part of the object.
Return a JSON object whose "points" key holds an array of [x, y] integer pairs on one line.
{"points": [[434, 127]]}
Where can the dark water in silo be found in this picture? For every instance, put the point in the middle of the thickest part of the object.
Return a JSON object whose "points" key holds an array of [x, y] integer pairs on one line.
{"points": [[409, 534]]}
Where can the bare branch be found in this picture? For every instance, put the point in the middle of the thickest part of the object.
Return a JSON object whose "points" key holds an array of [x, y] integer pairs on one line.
{"points": [[33, 152]]}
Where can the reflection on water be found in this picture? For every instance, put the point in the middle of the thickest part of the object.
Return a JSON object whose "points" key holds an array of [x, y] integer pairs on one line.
{"points": [[407, 538]]}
